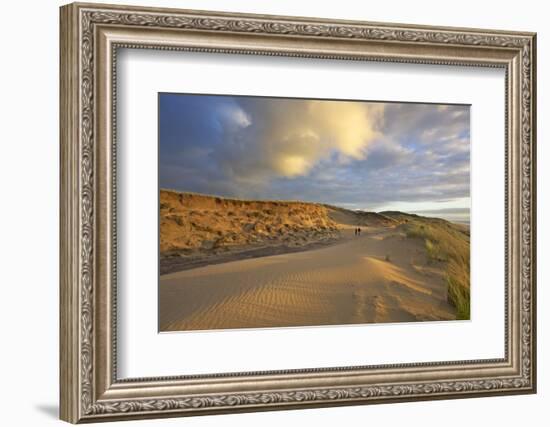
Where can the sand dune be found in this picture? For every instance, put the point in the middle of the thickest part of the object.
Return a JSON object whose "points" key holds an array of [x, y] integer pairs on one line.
{"points": [[247, 264], [197, 229], [345, 217], [351, 282]]}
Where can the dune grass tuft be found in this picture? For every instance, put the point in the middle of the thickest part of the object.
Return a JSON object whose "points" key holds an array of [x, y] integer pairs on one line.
{"points": [[459, 296], [449, 244]]}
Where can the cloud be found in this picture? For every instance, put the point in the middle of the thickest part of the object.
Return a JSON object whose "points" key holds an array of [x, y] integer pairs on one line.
{"points": [[232, 117], [443, 127], [384, 154], [288, 138], [357, 154]]}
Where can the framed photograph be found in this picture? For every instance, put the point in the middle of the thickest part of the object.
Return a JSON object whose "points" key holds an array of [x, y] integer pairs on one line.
{"points": [[265, 212]]}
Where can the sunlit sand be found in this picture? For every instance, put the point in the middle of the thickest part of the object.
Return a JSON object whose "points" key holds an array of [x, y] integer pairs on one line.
{"points": [[379, 276]]}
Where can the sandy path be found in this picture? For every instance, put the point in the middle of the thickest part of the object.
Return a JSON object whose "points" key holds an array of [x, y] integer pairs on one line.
{"points": [[348, 283]]}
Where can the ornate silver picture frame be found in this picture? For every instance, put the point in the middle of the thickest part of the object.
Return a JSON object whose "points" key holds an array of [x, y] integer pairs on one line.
{"points": [[91, 390]]}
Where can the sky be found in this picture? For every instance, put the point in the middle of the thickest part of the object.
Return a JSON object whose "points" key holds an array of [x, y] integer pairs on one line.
{"points": [[372, 156]]}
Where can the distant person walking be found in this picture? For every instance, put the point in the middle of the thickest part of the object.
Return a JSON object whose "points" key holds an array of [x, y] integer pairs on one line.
{"points": [[359, 231], [355, 231]]}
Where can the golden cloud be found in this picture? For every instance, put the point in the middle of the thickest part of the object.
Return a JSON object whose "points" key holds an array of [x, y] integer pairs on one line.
{"points": [[296, 135]]}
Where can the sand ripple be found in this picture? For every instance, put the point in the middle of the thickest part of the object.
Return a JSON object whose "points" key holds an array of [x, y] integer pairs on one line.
{"points": [[348, 283]]}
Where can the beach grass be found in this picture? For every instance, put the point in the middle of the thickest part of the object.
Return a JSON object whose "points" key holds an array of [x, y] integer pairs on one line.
{"points": [[448, 244]]}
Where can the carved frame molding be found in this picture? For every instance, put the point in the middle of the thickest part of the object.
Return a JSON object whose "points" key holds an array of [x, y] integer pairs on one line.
{"points": [[90, 37]]}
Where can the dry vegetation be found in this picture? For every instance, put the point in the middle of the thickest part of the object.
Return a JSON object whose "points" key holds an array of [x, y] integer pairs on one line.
{"points": [[194, 225], [449, 244]]}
